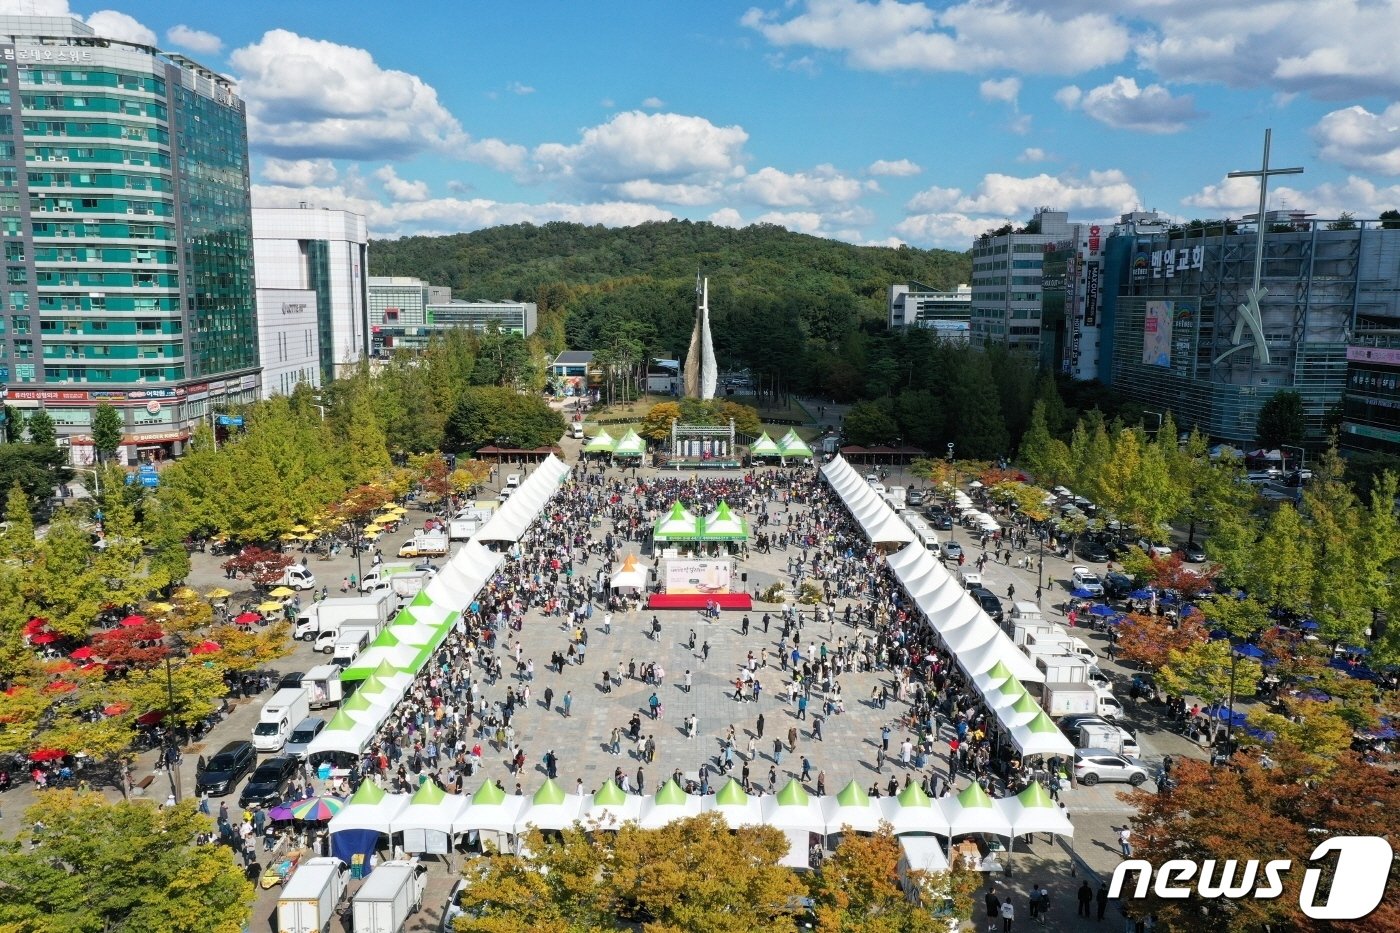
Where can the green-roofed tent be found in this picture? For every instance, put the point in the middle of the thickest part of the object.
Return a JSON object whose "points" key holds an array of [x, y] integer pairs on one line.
{"points": [[678, 525], [369, 808], [610, 794], [731, 795], [764, 447], [429, 820], [612, 806], [489, 794], [972, 811], [793, 794], [1033, 811], [790, 445], [724, 525], [851, 806], [737, 807], [670, 803], [631, 445], [551, 808], [367, 793], [600, 443], [422, 599]]}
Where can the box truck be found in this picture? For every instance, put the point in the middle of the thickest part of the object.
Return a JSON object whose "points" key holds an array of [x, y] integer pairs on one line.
{"points": [[425, 544], [287, 707], [1068, 699], [407, 585], [309, 899], [383, 572], [323, 686], [328, 614], [392, 893], [297, 577]]}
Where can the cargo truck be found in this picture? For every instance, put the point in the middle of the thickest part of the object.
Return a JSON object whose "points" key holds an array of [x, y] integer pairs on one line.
{"points": [[309, 899], [1069, 699], [425, 544], [323, 686], [285, 709], [392, 893], [328, 614]]}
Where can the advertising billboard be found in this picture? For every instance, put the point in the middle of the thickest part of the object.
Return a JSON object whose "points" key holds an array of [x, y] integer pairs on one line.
{"points": [[1157, 333], [690, 576]]}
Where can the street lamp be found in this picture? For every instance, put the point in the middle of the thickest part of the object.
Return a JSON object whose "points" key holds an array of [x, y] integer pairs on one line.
{"points": [[1158, 416], [1302, 454], [96, 479], [173, 762]]}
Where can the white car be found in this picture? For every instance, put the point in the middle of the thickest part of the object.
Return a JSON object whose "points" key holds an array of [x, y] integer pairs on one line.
{"points": [[1085, 579]]}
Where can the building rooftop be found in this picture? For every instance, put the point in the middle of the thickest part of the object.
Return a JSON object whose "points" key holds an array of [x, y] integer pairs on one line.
{"points": [[574, 358]]}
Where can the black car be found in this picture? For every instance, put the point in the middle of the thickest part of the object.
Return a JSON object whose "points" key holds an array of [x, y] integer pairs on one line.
{"points": [[1092, 551], [222, 773], [290, 680], [1118, 585], [988, 601], [270, 782], [940, 520]]}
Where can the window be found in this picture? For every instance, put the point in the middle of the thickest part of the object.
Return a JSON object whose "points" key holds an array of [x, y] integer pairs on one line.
{"points": [[17, 275], [19, 301], [22, 323], [24, 349], [14, 251]]}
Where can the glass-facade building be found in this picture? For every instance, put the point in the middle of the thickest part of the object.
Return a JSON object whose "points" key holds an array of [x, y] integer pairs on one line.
{"points": [[1181, 341], [124, 217]]}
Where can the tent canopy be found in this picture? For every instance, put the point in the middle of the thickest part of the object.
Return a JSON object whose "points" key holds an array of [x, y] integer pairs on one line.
{"points": [[600, 443], [764, 447], [680, 524], [790, 445], [631, 445]]}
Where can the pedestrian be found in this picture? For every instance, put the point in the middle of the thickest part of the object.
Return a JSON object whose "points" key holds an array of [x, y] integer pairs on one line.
{"points": [[549, 698], [1008, 914], [1101, 898], [817, 728], [1033, 902], [568, 703], [1125, 841], [792, 738], [687, 680], [1044, 898], [705, 651], [993, 909], [806, 770], [1086, 897], [641, 781], [607, 623], [744, 626], [760, 725]]}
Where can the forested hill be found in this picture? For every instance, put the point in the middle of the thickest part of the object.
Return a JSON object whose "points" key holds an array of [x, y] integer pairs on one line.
{"points": [[523, 262]]}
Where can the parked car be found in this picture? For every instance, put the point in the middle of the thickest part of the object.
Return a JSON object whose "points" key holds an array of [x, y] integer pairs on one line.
{"points": [[1193, 554], [988, 601], [222, 773], [290, 680], [1092, 765], [952, 550], [914, 497], [301, 736], [1092, 550], [269, 784], [1118, 585], [940, 520], [1085, 579]]}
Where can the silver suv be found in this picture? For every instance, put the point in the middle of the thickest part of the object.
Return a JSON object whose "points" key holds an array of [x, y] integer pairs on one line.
{"points": [[1092, 765]]}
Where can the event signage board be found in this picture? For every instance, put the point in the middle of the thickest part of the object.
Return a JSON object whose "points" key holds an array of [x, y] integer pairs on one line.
{"points": [[690, 576]]}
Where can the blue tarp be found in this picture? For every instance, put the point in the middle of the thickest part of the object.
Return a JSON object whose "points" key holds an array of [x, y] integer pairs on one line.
{"points": [[1249, 651], [1099, 609]]}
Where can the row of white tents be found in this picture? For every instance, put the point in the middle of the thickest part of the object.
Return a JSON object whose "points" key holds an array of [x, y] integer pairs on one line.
{"points": [[386, 668], [432, 820], [989, 658], [876, 519]]}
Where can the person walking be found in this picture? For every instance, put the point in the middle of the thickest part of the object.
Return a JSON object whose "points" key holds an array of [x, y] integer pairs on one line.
{"points": [[548, 698], [760, 725], [1008, 915], [607, 623], [1086, 897], [687, 680], [806, 770], [1043, 904], [1101, 899], [993, 904], [1125, 841], [568, 703], [705, 651]]}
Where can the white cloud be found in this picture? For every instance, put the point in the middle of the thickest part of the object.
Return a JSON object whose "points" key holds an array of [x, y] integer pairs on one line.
{"points": [[643, 189], [1123, 105], [653, 103], [453, 215], [946, 230], [900, 168], [1099, 193], [299, 171], [666, 147], [1361, 140], [1235, 197], [494, 153], [727, 217], [1232, 195], [976, 35], [401, 189], [308, 97], [515, 87], [196, 40], [1032, 154], [1020, 124], [1002, 89], [114, 25], [824, 185]]}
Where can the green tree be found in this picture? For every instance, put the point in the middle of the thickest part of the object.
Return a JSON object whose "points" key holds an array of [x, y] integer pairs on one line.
{"points": [[41, 429], [366, 456], [979, 429], [656, 426], [105, 867], [36, 469], [1280, 570], [1044, 456], [870, 424], [1340, 592], [107, 429], [1207, 670], [1390, 219], [858, 889], [486, 415], [1281, 420]]}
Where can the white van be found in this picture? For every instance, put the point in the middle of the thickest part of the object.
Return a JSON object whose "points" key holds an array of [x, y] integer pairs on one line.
{"points": [[969, 578], [576, 430]]}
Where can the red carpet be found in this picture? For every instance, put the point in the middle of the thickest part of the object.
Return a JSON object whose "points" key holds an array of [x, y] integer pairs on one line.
{"points": [[741, 601]]}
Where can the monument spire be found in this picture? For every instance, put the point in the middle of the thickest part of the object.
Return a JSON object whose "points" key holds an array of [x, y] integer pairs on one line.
{"points": [[701, 375]]}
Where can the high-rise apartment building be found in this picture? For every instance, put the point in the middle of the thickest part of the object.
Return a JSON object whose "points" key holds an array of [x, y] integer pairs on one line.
{"points": [[124, 216], [324, 251], [1006, 280]]}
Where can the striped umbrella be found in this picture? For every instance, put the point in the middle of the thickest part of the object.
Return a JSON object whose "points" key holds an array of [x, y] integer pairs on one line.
{"points": [[318, 809]]}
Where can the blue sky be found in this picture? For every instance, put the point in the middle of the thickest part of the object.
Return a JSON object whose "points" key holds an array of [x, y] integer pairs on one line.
{"points": [[871, 121]]}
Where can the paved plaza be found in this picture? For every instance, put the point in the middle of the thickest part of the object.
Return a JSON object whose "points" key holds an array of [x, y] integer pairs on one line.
{"points": [[846, 750]]}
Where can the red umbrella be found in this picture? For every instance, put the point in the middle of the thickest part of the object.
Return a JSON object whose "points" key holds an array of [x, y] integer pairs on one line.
{"points": [[133, 620], [93, 666], [46, 754], [206, 647], [82, 654], [61, 667], [35, 625], [59, 686], [115, 709], [43, 638], [246, 618], [151, 718]]}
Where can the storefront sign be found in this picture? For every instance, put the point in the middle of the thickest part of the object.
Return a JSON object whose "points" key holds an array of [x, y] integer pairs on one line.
{"points": [[1091, 294], [697, 576], [1166, 263], [1094, 240], [48, 54]]}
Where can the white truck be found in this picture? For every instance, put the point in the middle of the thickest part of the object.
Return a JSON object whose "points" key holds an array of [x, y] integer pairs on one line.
{"points": [[310, 897], [1060, 668], [344, 644], [407, 585], [328, 614], [280, 714], [323, 686], [297, 577], [1069, 699], [390, 895], [426, 544], [469, 520], [1114, 738], [383, 572]]}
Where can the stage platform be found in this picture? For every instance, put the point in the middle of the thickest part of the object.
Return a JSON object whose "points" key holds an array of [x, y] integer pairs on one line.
{"points": [[740, 601]]}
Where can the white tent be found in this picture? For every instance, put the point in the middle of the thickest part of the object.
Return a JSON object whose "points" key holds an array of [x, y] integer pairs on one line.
{"points": [[631, 576], [550, 808], [490, 810], [609, 807], [924, 853], [913, 812], [521, 509], [851, 807], [670, 803], [369, 808], [1041, 736], [793, 808], [736, 807], [342, 734], [1032, 811], [972, 811], [431, 810]]}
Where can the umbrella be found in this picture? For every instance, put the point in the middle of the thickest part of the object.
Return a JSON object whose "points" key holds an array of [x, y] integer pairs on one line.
{"points": [[132, 621], [308, 537], [1309, 625], [151, 718], [44, 638], [1140, 594], [46, 754], [59, 686], [246, 618], [160, 608], [318, 808], [115, 709], [283, 591], [270, 605], [280, 812], [1099, 609], [82, 654], [286, 536], [1080, 593], [206, 647], [60, 667], [1250, 651], [35, 625], [299, 529], [218, 592]]}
